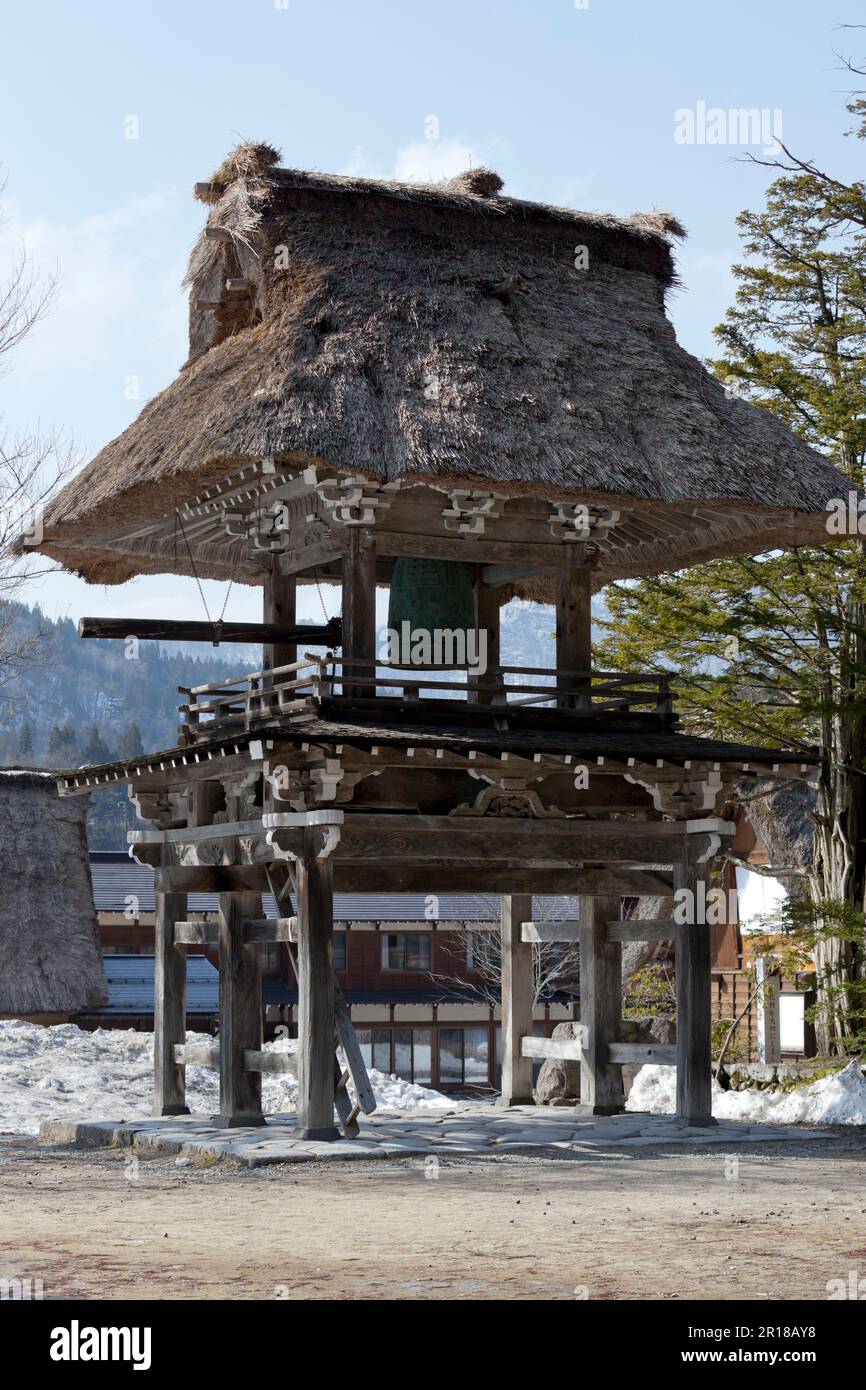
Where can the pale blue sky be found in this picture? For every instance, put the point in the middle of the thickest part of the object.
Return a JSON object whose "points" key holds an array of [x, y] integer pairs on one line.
{"points": [[570, 105]]}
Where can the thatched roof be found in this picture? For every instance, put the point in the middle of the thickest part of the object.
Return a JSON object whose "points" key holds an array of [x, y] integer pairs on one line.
{"points": [[439, 334], [50, 960], [782, 817]]}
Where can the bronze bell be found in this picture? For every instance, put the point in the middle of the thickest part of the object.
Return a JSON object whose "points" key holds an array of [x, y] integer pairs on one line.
{"points": [[431, 596]]}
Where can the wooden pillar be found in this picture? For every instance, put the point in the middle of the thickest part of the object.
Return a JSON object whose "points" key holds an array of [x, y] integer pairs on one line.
{"points": [[240, 1013], [573, 620], [518, 995], [600, 1007], [169, 1002], [359, 603], [279, 606], [769, 1009], [487, 620], [316, 1012], [694, 1022]]}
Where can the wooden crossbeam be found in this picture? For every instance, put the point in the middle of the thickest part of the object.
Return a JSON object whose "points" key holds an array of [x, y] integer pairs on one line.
{"points": [[615, 1053], [656, 1054], [570, 1049], [661, 929], [208, 1055], [256, 931], [549, 931]]}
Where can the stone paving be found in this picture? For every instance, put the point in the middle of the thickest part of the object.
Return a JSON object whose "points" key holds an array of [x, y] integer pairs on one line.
{"points": [[470, 1129]]}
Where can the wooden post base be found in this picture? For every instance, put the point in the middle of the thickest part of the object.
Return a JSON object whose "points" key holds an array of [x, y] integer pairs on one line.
{"points": [[581, 1109], [172, 1110], [325, 1134], [237, 1121]]}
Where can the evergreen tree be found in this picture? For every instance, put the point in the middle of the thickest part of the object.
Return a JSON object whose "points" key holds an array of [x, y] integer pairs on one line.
{"points": [[25, 740], [772, 649], [95, 748], [129, 744]]}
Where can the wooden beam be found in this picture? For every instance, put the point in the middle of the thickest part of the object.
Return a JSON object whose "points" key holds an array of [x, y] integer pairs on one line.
{"points": [[240, 1014], [272, 1063], [642, 1054], [255, 931], [499, 877], [600, 1008], [183, 630], [169, 1002], [352, 1052], [206, 878], [518, 998], [197, 1054], [694, 1013], [196, 933], [279, 611], [207, 1054], [659, 930], [359, 604], [487, 620], [550, 931], [566, 1049], [573, 620], [316, 1004]]}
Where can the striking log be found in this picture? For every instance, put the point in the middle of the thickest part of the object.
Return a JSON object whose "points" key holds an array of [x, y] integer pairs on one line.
{"points": [[182, 630]]}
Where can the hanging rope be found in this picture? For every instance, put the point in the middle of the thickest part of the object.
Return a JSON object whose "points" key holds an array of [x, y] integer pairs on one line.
{"points": [[219, 621]]}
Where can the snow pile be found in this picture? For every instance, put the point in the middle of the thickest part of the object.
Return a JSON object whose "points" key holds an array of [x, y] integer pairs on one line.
{"points": [[49, 1073], [839, 1099]]}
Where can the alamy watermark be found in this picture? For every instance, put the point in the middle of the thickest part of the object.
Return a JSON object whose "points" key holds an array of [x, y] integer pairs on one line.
{"points": [[439, 646], [734, 125]]}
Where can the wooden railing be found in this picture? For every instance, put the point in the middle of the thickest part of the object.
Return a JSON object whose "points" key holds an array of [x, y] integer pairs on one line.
{"points": [[268, 696]]}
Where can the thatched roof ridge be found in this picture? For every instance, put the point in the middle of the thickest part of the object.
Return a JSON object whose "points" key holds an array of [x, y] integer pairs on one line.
{"points": [[382, 347], [50, 959]]}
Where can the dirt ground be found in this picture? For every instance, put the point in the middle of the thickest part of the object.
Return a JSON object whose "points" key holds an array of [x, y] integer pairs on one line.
{"points": [[648, 1224]]}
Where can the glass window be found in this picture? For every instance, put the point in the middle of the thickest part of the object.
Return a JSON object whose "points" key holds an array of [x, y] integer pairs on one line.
{"points": [[403, 1053], [382, 1049], [475, 1055], [339, 950], [365, 1042], [422, 1055], [406, 951], [418, 951], [392, 951], [451, 1056]]}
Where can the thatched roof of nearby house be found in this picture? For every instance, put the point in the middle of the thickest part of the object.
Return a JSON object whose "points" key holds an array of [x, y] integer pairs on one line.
{"points": [[50, 960], [782, 817], [440, 335]]}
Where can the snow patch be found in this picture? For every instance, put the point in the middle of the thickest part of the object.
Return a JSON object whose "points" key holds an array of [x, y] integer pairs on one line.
{"points": [[48, 1073], [839, 1099]]}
